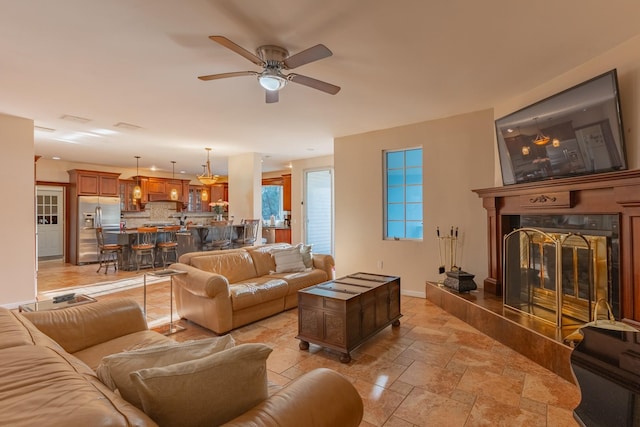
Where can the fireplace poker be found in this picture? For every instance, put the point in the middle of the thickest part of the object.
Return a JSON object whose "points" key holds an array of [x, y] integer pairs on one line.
{"points": [[441, 269]]}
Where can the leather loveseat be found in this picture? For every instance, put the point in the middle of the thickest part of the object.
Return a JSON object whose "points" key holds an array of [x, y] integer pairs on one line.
{"points": [[224, 290], [47, 374]]}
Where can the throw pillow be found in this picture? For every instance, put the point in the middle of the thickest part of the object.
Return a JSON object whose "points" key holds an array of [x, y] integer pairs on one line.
{"points": [[307, 255], [205, 392], [114, 369], [288, 260]]}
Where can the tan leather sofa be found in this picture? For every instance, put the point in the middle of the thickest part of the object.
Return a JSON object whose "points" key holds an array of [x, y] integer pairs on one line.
{"points": [[224, 290], [47, 374]]}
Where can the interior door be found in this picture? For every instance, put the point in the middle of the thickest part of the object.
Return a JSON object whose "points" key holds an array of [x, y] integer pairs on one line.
{"points": [[318, 212], [50, 222]]}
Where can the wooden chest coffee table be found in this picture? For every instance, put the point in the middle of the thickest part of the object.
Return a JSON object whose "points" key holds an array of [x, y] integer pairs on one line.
{"points": [[343, 313]]}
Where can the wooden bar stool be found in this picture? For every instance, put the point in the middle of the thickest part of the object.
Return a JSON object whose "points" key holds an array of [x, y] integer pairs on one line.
{"points": [[145, 246], [108, 254], [169, 245]]}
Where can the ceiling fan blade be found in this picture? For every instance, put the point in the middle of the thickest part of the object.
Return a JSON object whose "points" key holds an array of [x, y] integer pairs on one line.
{"points": [[225, 75], [314, 53], [237, 49], [271, 96], [313, 83]]}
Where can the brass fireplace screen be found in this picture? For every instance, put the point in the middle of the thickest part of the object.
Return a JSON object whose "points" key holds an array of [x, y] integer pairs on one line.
{"points": [[557, 276]]}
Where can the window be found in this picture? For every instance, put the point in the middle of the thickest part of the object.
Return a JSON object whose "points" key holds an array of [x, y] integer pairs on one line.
{"points": [[403, 194], [271, 201]]}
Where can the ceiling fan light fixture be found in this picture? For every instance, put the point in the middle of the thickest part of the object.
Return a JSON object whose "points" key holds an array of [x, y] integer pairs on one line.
{"points": [[271, 80]]}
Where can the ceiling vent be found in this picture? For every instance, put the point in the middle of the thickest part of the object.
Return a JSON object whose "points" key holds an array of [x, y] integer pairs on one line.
{"points": [[75, 118]]}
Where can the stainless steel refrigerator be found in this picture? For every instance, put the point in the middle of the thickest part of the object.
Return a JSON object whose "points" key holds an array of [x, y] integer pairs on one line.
{"points": [[94, 212]]}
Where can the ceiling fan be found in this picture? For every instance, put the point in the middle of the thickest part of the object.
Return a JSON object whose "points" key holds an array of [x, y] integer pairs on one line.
{"points": [[274, 59]]}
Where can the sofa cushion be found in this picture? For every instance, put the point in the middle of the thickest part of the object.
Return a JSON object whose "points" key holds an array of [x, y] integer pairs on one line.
{"points": [[262, 259], [302, 279], [41, 388], [208, 391], [13, 332], [92, 356], [307, 255], [256, 291], [236, 266], [288, 260], [115, 369]]}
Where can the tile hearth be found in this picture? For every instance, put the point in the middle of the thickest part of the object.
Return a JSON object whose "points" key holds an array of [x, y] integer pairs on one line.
{"points": [[432, 370]]}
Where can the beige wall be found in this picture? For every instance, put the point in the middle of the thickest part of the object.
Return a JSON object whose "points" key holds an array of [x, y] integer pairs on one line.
{"points": [[17, 255], [626, 59], [458, 157]]}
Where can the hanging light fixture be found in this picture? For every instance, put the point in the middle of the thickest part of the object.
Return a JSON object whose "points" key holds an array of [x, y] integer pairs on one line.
{"points": [[541, 138], [174, 191], [525, 150], [204, 195], [206, 178], [137, 191], [555, 142]]}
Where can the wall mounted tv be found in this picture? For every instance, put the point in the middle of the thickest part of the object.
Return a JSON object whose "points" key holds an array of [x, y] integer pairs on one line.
{"points": [[575, 132]]}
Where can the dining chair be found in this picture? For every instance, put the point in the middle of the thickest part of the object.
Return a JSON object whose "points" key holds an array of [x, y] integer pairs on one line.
{"points": [[220, 232], [250, 233], [145, 246], [108, 254]]}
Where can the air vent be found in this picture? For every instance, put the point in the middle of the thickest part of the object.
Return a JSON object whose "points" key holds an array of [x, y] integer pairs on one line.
{"points": [[128, 126], [75, 118]]}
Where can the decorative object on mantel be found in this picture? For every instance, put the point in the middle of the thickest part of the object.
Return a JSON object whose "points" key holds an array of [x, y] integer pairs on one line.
{"points": [[207, 178], [137, 191], [456, 279], [219, 208], [174, 191]]}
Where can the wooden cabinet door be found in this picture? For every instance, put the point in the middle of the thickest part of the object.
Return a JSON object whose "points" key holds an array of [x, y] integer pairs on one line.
{"points": [[286, 192], [108, 185], [88, 184]]}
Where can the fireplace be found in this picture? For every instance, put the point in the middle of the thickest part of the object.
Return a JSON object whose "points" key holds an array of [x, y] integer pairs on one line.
{"points": [[583, 238], [556, 267]]}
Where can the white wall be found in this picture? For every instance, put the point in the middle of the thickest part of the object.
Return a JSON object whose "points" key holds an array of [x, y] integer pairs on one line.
{"points": [[18, 254], [626, 59], [297, 191], [458, 157]]}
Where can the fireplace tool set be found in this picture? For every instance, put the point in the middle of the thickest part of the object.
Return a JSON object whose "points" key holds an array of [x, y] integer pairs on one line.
{"points": [[456, 279]]}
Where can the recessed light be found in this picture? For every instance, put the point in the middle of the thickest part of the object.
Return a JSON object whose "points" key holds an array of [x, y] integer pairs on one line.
{"points": [[55, 158]]}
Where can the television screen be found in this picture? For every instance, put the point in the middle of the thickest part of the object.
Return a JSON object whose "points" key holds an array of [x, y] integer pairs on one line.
{"points": [[575, 132]]}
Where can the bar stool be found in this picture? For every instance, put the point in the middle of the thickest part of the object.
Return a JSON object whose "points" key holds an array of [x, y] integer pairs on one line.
{"points": [[170, 244], [145, 246], [108, 254]]}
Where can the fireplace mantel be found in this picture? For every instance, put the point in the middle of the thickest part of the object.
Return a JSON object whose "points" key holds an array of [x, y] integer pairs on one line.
{"points": [[606, 193]]}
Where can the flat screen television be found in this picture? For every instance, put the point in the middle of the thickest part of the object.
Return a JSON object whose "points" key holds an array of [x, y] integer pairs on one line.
{"points": [[575, 132]]}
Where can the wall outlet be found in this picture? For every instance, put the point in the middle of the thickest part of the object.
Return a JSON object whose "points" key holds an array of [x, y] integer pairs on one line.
{"points": [[380, 265]]}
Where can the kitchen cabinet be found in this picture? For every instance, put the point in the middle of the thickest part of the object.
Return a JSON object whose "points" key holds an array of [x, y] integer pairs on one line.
{"points": [[286, 192], [197, 202], [283, 235], [94, 183], [159, 189], [127, 202], [219, 192]]}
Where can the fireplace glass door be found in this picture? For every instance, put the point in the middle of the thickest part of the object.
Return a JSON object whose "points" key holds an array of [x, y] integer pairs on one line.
{"points": [[556, 277]]}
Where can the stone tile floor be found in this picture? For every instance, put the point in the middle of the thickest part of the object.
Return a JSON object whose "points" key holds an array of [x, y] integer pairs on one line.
{"points": [[432, 370]]}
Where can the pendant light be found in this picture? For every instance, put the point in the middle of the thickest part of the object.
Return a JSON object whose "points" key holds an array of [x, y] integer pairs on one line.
{"points": [[137, 191], [207, 178], [174, 191]]}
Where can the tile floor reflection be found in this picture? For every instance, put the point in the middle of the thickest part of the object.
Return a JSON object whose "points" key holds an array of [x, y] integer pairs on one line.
{"points": [[433, 370]]}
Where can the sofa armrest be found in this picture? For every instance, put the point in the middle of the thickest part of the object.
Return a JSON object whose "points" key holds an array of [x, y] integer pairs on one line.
{"points": [[326, 263], [318, 398], [83, 326], [201, 283]]}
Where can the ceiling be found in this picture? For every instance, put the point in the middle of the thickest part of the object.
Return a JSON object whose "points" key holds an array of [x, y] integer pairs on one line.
{"points": [[135, 62]]}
